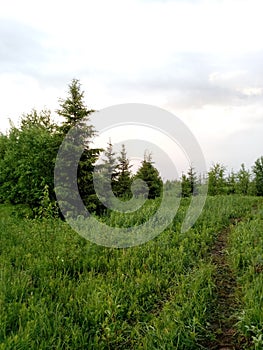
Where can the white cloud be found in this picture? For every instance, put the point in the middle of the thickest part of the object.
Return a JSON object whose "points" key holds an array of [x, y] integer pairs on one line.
{"points": [[251, 91], [205, 56], [223, 77]]}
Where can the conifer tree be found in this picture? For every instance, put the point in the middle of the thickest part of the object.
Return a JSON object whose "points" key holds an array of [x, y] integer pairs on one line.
{"points": [[123, 184], [216, 180], [77, 123], [106, 178], [109, 162], [231, 183], [150, 175], [243, 180], [186, 186], [75, 112]]}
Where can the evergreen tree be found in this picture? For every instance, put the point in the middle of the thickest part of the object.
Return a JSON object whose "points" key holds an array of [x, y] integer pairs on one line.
{"points": [[192, 178], [243, 180], [216, 180], [231, 183], [106, 174], [186, 186], [110, 163], [150, 175], [80, 133], [189, 183], [123, 184], [75, 112]]}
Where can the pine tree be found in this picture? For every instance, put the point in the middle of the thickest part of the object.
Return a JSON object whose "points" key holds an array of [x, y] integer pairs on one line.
{"points": [[79, 131], [231, 183], [192, 178], [109, 162], [186, 186], [189, 183], [123, 184], [150, 175], [243, 180], [216, 180], [75, 112], [106, 179]]}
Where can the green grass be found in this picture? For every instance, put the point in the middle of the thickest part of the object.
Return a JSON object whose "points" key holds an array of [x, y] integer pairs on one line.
{"points": [[59, 291], [246, 256]]}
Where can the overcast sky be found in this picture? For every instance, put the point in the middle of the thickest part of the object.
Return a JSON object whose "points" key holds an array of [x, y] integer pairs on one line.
{"points": [[201, 60]]}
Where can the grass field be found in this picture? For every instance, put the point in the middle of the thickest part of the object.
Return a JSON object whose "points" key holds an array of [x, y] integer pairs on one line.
{"points": [[59, 291]]}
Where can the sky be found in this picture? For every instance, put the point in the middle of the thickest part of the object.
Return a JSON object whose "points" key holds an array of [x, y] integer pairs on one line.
{"points": [[200, 60]]}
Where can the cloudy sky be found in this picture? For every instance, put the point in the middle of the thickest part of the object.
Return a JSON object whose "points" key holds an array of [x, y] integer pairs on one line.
{"points": [[202, 60]]}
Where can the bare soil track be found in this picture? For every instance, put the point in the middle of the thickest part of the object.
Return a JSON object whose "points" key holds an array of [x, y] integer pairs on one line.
{"points": [[222, 317]]}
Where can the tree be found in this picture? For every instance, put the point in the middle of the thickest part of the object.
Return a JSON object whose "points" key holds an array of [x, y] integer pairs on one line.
{"points": [[189, 183], [123, 184], [216, 180], [258, 173], [186, 186], [192, 178], [75, 112], [27, 166], [105, 179], [110, 162], [150, 175], [231, 183], [79, 132], [4, 144], [243, 180]]}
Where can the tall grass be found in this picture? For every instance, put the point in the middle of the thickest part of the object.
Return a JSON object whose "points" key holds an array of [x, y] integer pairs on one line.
{"points": [[246, 256], [59, 291]]}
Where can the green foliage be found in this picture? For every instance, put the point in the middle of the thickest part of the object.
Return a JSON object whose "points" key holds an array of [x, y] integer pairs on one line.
{"points": [[231, 183], [258, 172], [216, 180], [150, 175], [243, 177], [75, 112], [4, 142], [123, 184], [105, 179], [246, 257], [28, 160], [110, 162], [28, 156], [3, 145], [186, 186], [76, 120], [189, 183], [59, 291], [47, 208], [85, 179]]}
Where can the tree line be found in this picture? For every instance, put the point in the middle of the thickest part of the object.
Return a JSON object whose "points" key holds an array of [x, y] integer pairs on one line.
{"points": [[244, 181], [28, 154]]}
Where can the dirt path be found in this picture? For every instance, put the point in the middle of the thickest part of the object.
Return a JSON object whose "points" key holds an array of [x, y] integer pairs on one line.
{"points": [[222, 319]]}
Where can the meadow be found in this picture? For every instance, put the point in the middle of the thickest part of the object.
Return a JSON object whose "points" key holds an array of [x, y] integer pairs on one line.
{"points": [[60, 291]]}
